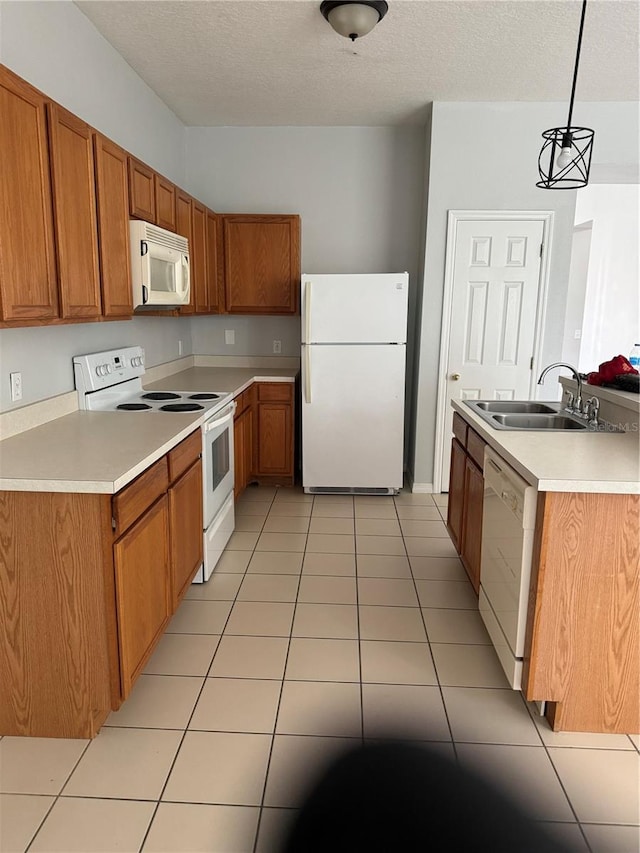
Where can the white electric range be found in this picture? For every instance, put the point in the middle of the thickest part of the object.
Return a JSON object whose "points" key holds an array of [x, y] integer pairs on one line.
{"points": [[111, 381]]}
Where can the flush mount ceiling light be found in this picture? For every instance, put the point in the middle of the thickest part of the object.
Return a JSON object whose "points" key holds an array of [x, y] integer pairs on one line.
{"points": [[567, 149], [353, 20]]}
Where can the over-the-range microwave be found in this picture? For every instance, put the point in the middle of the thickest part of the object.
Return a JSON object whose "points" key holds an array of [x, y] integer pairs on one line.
{"points": [[159, 266]]}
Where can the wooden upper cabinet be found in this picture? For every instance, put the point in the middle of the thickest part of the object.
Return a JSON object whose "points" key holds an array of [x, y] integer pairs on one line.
{"points": [[215, 266], [113, 227], [165, 203], [198, 253], [28, 283], [262, 263], [184, 227], [74, 206], [142, 190]]}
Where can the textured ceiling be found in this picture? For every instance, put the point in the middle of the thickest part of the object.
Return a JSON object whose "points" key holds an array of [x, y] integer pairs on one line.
{"points": [[278, 62]]}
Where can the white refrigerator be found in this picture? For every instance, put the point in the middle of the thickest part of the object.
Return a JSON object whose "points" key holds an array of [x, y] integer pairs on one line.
{"points": [[354, 334]]}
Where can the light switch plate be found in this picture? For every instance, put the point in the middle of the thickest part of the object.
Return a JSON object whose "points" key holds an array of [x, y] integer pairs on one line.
{"points": [[229, 336]]}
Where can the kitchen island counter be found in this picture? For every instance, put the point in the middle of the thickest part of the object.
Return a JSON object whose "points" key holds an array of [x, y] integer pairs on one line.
{"points": [[570, 461]]}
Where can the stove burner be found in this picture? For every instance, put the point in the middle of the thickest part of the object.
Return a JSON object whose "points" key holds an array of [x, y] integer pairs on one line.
{"points": [[181, 407], [160, 395], [204, 397], [133, 407]]}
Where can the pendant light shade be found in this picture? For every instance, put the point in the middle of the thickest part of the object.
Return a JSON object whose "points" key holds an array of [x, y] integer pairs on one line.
{"points": [[565, 158], [353, 20]]}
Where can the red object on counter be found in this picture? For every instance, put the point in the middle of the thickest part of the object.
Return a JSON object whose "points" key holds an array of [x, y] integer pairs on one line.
{"points": [[610, 369]]}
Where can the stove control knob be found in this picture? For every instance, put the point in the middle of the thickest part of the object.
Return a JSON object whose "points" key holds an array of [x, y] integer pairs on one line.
{"points": [[98, 370], [108, 368], [103, 369]]}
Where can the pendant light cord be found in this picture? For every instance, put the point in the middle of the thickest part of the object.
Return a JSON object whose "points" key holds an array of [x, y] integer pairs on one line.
{"points": [[575, 70]]}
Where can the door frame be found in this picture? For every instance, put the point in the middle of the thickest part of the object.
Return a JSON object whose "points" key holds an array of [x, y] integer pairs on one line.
{"points": [[453, 218]]}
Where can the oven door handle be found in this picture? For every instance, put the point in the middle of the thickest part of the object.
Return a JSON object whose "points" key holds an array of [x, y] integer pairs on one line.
{"points": [[220, 421]]}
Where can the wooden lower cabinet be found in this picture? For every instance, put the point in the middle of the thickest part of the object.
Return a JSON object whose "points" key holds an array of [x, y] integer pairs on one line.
{"points": [[456, 493], [466, 496], [185, 524], [472, 522], [141, 563], [274, 440], [243, 441], [87, 592]]}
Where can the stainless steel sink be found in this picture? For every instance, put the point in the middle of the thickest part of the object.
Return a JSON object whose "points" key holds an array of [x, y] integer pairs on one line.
{"points": [[532, 415], [515, 406], [537, 421]]}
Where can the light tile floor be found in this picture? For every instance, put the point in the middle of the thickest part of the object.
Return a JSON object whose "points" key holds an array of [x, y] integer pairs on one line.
{"points": [[328, 620]]}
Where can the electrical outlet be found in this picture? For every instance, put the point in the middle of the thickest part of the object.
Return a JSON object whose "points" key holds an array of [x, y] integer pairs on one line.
{"points": [[277, 347], [180, 347], [16, 386], [229, 336], [577, 334]]}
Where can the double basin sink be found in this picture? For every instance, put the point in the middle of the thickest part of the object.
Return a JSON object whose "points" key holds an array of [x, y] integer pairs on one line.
{"points": [[530, 415]]}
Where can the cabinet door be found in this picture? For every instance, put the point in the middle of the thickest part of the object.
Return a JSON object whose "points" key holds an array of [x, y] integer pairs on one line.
{"points": [[141, 559], [142, 191], [165, 203], [262, 264], [275, 439], [185, 523], [28, 282], [184, 227], [456, 493], [239, 457], [74, 206], [199, 258], [215, 267], [472, 521], [113, 228]]}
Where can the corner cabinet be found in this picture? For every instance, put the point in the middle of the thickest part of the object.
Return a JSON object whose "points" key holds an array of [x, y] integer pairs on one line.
{"points": [[243, 440], [262, 263], [466, 495], [85, 598]]}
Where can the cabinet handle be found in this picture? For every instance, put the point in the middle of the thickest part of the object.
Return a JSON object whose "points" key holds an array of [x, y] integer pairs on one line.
{"points": [[307, 374]]}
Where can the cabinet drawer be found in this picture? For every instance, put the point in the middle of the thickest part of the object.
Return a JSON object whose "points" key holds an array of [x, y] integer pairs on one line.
{"points": [[460, 429], [184, 455], [475, 448], [281, 391], [133, 500]]}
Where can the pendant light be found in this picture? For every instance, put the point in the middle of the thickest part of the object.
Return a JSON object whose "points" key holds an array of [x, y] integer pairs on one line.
{"points": [[353, 20], [567, 150]]}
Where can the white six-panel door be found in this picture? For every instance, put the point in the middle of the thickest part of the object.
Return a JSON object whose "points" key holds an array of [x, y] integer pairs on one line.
{"points": [[494, 301]]}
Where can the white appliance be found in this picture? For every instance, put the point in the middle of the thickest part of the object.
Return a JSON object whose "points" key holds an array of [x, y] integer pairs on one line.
{"points": [[159, 266], [112, 381], [508, 522], [354, 333]]}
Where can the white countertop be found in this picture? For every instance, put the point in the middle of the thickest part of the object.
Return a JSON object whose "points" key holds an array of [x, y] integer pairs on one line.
{"points": [[568, 461], [100, 452]]}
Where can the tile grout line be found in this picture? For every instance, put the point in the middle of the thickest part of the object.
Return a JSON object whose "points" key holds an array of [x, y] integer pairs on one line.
{"points": [[284, 672], [433, 662], [193, 710]]}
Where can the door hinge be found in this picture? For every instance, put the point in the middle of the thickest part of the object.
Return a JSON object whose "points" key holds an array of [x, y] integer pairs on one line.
{"points": [[541, 248], [531, 364], [113, 522]]}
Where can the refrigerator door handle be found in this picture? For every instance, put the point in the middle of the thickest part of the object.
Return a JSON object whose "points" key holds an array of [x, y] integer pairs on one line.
{"points": [[307, 373], [307, 311]]}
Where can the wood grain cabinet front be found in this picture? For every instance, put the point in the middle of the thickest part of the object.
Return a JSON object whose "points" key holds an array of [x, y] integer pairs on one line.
{"points": [[141, 563], [165, 193], [74, 203], [466, 496], [142, 191], [86, 594], [28, 276], [262, 263], [274, 452]]}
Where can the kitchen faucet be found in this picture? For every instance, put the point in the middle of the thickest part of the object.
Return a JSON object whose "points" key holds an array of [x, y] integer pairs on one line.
{"points": [[573, 404]]}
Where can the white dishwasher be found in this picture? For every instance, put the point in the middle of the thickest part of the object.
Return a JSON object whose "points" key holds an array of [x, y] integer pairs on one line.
{"points": [[508, 521]]}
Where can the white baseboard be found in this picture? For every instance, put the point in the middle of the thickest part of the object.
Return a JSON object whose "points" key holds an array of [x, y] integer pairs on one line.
{"points": [[422, 488]]}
